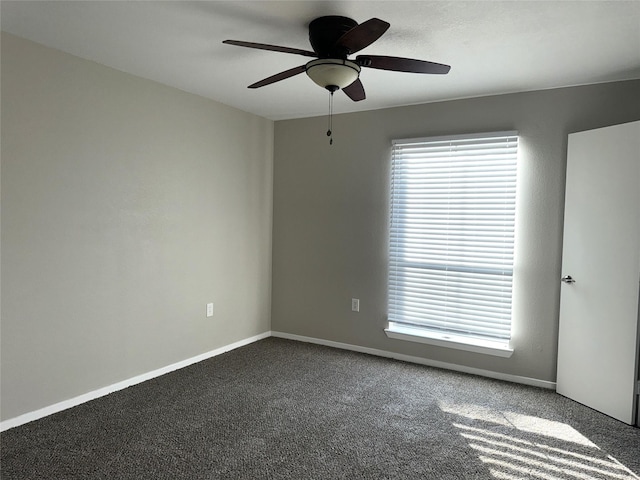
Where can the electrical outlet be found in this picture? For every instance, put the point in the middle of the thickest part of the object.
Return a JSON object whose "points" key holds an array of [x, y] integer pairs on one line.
{"points": [[209, 309], [355, 305]]}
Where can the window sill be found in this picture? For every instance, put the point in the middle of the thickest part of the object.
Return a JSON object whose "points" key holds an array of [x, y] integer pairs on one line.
{"points": [[416, 334]]}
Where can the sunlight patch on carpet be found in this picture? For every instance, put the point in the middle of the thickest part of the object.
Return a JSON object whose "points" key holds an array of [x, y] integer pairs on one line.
{"points": [[513, 445]]}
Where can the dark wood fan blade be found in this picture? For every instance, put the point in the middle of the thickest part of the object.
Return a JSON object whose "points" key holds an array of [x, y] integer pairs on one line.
{"points": [[355, 91], [362, 35], [278, 76], [399, 64], [272, 48]]}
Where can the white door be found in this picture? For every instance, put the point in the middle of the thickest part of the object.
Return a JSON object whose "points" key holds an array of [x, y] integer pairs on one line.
{"points": [[598, 337]]}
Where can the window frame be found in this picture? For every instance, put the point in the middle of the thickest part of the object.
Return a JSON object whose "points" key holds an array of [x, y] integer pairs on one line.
{"points": [[442, 336]]}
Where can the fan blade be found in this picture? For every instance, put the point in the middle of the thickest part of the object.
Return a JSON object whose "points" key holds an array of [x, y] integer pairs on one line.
{"points": [[273, 48], [355, 91], [399, 64], [362, 35], [278, 76]]}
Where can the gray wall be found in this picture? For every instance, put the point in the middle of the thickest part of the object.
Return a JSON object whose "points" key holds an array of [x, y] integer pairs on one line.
{"points": [[126, 207], [331, 213]]}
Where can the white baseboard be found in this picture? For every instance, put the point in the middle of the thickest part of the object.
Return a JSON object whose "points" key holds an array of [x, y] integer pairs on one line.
{"points": [[72, 402], [422, 361]]}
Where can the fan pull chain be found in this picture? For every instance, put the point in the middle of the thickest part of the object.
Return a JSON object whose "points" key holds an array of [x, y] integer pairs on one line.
{"points": [[329, 132]]}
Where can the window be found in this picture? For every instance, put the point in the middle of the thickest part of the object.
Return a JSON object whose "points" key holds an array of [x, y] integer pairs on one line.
{"points": [[451, 240]]}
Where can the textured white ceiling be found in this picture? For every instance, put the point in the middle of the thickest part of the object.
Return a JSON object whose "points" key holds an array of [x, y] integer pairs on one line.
{"points": [[493, 47]]}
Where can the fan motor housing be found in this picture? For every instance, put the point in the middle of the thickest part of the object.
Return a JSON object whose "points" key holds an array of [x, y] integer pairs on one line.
{"points": [[324, 32]]}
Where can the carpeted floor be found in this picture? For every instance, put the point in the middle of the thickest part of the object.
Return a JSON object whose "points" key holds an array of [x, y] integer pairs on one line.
{"points": [[279, 409]]}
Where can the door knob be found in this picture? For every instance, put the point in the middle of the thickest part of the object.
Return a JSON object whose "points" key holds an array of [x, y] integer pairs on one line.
{"points": [[568, 279]]}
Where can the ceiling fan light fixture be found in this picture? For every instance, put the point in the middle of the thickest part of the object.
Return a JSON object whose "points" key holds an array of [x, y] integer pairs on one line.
{"points": [[333, 72]]}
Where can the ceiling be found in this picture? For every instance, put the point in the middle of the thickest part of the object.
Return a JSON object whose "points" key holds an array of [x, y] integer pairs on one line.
{"points": [[493, 47]]}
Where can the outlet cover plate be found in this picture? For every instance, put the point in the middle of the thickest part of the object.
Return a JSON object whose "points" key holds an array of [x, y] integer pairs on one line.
{"points": [[355, 305]]}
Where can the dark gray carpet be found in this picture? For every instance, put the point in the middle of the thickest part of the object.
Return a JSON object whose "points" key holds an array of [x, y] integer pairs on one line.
{"points": [[279, 409]]}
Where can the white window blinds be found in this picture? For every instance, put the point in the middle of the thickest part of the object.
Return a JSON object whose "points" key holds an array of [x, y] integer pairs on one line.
{"points": [[452, 234]]}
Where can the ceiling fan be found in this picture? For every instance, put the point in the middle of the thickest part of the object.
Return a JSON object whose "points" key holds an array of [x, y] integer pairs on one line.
{"points": [[333, 39]]}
